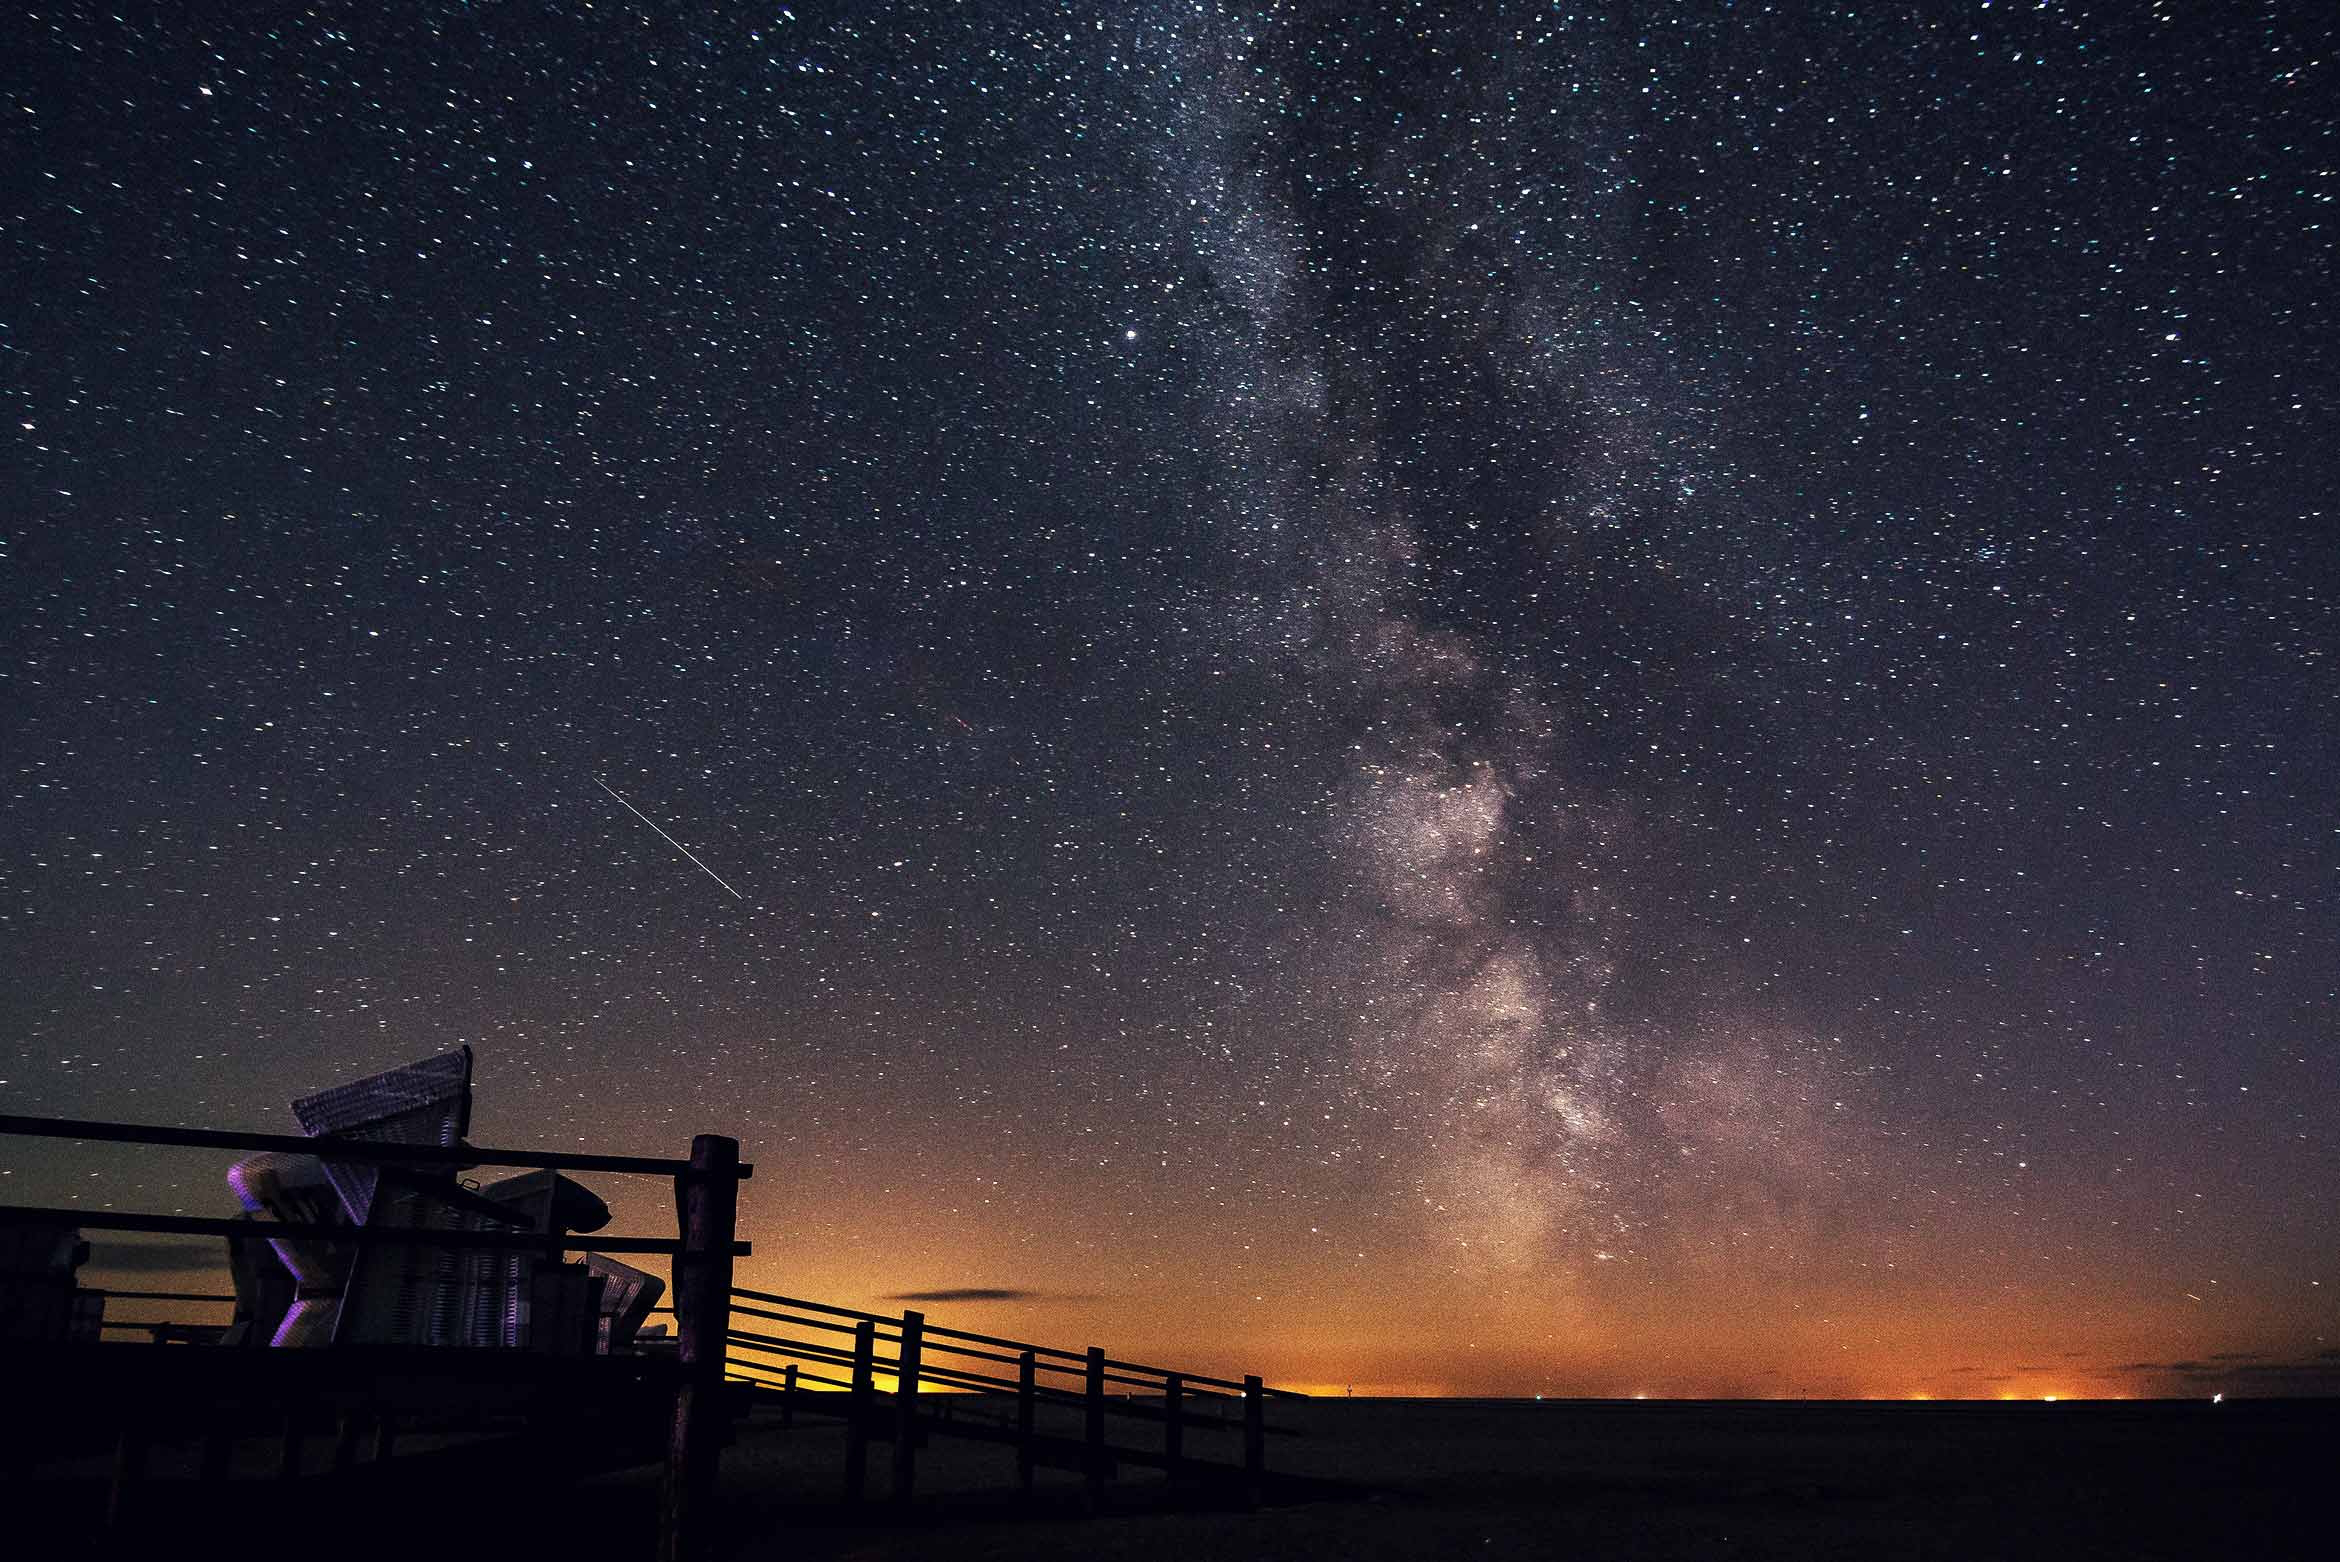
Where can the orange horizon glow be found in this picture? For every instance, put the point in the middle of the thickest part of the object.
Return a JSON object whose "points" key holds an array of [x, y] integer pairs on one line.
{"points": [[1296, 1361], [1765, 1363], [1333, 1299]]}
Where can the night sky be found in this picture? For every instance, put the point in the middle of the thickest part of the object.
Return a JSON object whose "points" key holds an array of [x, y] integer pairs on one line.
{"points": [[1639, 702]]}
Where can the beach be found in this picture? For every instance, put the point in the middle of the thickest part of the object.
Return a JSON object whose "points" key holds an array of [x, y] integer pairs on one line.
{"points": [[1430, 1478], [1350, 1478]]}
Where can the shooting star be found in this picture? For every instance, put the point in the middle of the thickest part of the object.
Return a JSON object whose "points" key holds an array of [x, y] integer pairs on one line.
{"points": [[668, 839]]}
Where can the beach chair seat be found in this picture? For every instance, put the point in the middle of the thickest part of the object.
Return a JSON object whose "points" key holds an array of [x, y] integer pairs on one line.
{"points": [[557, 1305], [627, 1295], [274, 1186]]}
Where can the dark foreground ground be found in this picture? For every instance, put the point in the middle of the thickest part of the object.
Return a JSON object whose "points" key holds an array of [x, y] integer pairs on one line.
{"points": [[1449, 1479], [1427, 1479]]}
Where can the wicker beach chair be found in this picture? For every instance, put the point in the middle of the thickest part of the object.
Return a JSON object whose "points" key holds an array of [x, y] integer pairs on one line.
{"points": [[412, 1293], [627, 1295], [425, 1103], [264, 1287], [404, 1293], [566, 1305], [272, 1187]]}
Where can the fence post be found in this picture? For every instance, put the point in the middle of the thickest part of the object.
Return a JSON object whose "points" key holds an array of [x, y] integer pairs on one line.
{"points": [[707, 1202], [288, 1464], [1027, 1401], [907, 1361], [788, 1397], [218, 1449], [857, 1411], [129, 1471], [1094, 1464], [1173, 1423], [1254, 1438]]}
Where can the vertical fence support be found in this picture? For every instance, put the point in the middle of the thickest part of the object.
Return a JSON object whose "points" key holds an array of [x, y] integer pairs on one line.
{"points": [[1093, 1435], [857, 1411], [218, 1450], [1254, 1439], [1027, 1402], [1173, 1424], [707, 1202], [129, 1472], [288, 1464], [385, 1434], [788, 1397], [908, 1353]]}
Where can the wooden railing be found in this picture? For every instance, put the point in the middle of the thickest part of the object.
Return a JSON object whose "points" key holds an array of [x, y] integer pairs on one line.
{"points": [[984, 1403], [706, 1202], [165, 1331]]}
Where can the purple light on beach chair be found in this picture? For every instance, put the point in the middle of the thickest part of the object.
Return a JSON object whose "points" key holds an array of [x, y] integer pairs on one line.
{"points": [[272, 1187]]}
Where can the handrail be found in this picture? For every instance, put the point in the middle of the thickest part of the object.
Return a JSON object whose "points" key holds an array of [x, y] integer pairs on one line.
{"points": [[1073, 1366], [269, 1230], [889, 1367], [813, 1323], [331, 1148], [933, 1374], [932, 1329], [801, 1376]]}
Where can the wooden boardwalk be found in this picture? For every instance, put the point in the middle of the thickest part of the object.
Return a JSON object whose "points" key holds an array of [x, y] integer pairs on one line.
{"points": [[822, 1375], [177, 1423]]}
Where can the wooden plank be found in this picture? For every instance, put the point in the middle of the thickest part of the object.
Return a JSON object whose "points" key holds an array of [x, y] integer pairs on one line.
{"points": [[327, 1147], [205, 1226], [932, 1328]]}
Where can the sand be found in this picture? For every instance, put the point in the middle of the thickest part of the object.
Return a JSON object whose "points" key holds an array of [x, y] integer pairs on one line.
{"points": [[1414, 1479], [1462, 1479]]}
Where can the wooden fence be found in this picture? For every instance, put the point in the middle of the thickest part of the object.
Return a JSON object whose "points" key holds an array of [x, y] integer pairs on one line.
{"points": [[991, 1389], [706, 1203], [829, 1376]]}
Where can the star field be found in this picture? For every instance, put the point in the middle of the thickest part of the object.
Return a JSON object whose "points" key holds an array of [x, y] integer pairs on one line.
{"points": [[1508, 702]]}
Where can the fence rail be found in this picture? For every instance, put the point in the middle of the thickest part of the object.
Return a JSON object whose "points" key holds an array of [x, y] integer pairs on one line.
{"points": [[759, 1357], [331, 1148], [361, 1236]]}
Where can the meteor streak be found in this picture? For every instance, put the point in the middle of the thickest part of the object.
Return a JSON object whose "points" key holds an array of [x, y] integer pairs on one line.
{"points": [[668, 839]]}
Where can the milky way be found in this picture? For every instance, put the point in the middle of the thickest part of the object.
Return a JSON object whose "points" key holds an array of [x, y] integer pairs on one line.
{"points": [[1529, 701], [1419, 395]]}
